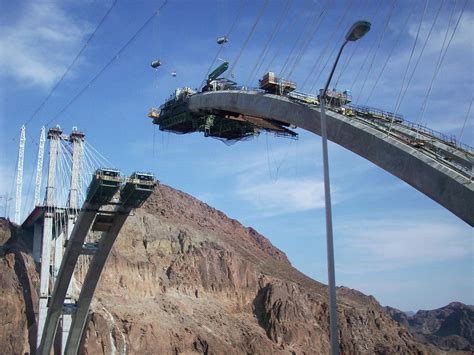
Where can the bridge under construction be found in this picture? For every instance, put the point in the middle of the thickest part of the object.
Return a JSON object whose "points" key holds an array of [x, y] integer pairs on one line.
{"points": [[435, 164], [75, 228]]}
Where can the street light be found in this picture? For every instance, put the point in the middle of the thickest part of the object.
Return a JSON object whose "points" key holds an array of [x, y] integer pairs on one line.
{"points": [[357, 31]]}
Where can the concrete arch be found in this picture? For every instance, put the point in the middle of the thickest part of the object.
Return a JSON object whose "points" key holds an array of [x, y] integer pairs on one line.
{"points": [[446, 186]]}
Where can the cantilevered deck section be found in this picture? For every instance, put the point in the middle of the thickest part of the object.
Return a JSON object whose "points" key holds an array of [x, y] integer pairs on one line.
{"points": [[438, 168]]}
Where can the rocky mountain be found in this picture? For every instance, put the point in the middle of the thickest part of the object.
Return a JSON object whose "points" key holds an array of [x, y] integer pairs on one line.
{"points": [[185, 279], [450, 327]]}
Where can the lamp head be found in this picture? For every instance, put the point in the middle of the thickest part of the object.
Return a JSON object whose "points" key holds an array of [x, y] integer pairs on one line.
{"points": [[358, 30]]}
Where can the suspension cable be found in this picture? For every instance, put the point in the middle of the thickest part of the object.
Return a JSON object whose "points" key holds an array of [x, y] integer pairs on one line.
{"points": [[387, 23], [392, 49], [324, 51], [263, 53], [316, 24], [257, 20], [352, 51], [397, 104], [441, 57], [68, 69], [282, 42], [237, 18], [465, 120], [109, 63], [369, 52], [277, 31], [105, 160], [302, 33], [422, 51], [330, 54]]}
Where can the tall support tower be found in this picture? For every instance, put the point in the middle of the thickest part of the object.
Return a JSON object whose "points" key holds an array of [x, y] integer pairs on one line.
{"points": [[39, 167], [77, 140], [54, 136], [19, 175], [38, 228]]}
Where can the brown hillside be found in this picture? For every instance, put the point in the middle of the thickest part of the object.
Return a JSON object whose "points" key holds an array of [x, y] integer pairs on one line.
{"points": [[185, 279]]}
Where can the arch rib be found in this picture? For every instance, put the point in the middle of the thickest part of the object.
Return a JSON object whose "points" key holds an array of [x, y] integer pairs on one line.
{"points": [[446, 186]]}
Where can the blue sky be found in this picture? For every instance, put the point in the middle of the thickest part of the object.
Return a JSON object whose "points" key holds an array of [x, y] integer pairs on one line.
{"points": [[391, 241]]}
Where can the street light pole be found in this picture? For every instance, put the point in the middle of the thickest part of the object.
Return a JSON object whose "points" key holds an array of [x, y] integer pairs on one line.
{"points": [[357, 30]]}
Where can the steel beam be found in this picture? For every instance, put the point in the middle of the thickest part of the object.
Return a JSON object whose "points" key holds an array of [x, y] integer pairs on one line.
{"points": [[19, 175]]}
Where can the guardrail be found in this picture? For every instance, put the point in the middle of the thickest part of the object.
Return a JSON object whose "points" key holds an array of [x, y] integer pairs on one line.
{"points": [[375, 111]]}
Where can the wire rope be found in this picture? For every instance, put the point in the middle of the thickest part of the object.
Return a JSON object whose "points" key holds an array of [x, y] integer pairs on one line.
{"points": [[252, 30], [369, 52], [323, 53], [465, 120], [105, 160], [316, 24], [389, 56], [276, 54], [68, 69], [264, 51], [334, 50], [301, 35], [352, 51], [442, 55], [397, 104], [221, 47], [381, 37], [277, 31], [109, 63], [421, 52]]}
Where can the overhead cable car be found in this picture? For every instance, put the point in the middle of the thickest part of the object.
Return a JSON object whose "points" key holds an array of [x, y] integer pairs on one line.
{"points": [[222, 40], [155, 64]]}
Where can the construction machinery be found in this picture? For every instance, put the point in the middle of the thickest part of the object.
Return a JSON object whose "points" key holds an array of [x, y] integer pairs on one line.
{"points": [[105, 183], [214, 83], [138, 187], [155, 64], [273, 85], [336, 99]]}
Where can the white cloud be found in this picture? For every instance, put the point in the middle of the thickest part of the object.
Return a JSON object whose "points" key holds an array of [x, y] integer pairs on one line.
{"points": [[267, 181], [38, 47], [396, 244], [284, 195]]}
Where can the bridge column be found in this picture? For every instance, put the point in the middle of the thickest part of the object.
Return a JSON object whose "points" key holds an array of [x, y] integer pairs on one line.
{"points": [[77, 139], [37, 237], [54, 135]]}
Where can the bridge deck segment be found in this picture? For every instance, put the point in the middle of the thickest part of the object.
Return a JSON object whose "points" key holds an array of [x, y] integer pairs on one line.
{"points": [[437, 179]]}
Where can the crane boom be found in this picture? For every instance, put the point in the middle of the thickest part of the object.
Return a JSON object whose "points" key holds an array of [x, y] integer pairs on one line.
{"points": [[19, 175], [218, 71], [39, 167]]}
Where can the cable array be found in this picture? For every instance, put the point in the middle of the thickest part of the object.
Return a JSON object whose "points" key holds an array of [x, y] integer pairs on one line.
{"points": [[252, 30], [442, 55], [397, 105], [324, 51], [379, 43], [313, 28], [263, 54], [221, 47], [68, 69], [109, 63]]}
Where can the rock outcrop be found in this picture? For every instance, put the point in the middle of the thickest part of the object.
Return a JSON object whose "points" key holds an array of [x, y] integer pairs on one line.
{"points": [[450, 328], [18, 297], [183, 278]]}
